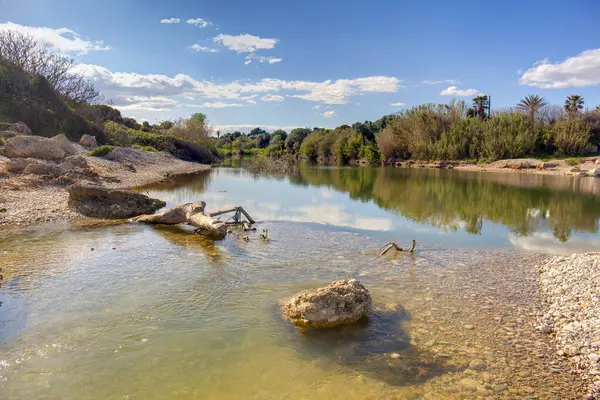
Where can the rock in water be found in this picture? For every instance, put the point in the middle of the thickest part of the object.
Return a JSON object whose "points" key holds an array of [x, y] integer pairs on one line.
{"points": [[100, 202], [342, 302], [88, 141]]}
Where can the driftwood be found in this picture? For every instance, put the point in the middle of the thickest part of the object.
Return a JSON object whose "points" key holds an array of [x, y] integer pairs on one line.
{"points": [[394, 246], [191, 213], [239, 211]]}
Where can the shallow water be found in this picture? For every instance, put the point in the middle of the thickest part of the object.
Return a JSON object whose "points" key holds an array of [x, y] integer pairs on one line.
{"points": [[137, 312]]}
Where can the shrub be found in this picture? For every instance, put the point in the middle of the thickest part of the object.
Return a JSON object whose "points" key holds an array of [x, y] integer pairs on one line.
{"points": [[101, 151], [145, 148], [572, 136], [574, 161]]}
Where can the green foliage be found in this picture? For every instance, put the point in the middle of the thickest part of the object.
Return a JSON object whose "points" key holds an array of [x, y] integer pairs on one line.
{"points": [[144, 148], [572, 136], [574, 161], [2, 140], [531, 105], [101, 151]]}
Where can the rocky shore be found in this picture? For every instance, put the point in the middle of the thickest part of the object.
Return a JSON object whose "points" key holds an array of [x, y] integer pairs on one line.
{"points": [[571, 291], [35, 173]]}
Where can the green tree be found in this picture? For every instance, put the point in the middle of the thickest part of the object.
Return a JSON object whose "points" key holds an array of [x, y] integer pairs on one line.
{"points": [[531, 105], [257, 131], [295, 139], [200, 118], [574, 104], [480, 104]]}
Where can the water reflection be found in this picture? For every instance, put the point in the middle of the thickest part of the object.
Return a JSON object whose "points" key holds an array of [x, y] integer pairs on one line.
{"points": [[455, 200], [449, 201]]}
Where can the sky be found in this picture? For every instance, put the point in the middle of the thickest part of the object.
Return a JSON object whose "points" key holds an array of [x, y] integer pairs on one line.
{"points": [[284, 64]]}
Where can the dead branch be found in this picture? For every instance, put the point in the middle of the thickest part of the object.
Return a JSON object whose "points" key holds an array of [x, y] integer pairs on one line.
{"points": [[394, 246]]}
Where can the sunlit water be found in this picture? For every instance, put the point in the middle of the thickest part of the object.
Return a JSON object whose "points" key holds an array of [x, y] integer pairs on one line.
{"points": [[139, 312]]}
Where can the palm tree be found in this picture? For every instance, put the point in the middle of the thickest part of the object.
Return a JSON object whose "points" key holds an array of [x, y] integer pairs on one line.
{"points": [[480, 103], [532, 104], [574, 104]]}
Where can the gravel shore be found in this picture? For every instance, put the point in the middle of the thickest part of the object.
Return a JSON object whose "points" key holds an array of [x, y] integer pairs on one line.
{"points": [[570, 287], [28, 198]]}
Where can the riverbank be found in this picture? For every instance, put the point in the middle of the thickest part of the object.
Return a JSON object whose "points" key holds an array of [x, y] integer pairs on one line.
{"points": [[37, 195]]}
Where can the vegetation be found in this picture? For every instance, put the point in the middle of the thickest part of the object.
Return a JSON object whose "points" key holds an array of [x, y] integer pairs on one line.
{"points": [[531, 105], [101, 151]]}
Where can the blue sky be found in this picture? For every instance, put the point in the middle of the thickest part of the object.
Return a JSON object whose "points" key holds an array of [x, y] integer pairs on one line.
{"points": [[324, 63]]}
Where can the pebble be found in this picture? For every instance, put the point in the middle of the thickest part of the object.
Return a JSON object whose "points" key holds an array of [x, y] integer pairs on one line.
{"points": [[469, 327]]}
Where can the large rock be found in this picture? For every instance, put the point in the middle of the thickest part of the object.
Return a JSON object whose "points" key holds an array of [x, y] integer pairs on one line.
{"points": [[44, 168], [88, 141], [20, 128], [19, 164], [342, 302], [518, 163], [38, 147], [100, 202]]}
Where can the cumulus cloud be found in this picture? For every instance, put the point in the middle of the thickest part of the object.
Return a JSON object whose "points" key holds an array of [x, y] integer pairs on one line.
{"points": [[262, 59], [454, 91], [248, 128], [60, 39], [138, 103], [251, 101], [216, 104], [245, 43], [328, 114], [118, 84], [398, 104], [581, 70], [448, 81], [198, 49], [170, 21], [199, 22], [272, 97]]}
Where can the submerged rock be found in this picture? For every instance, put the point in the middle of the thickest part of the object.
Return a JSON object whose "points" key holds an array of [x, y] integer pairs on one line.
{"points": [[342, 302], [100, 202]]}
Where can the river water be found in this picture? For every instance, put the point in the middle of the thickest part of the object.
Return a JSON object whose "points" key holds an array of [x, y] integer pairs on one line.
{"points": [[127, 311]]}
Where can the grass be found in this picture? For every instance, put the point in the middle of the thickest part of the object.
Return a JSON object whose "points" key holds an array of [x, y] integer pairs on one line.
{"points": [[101, 151], [145, 148], [574, 161]]}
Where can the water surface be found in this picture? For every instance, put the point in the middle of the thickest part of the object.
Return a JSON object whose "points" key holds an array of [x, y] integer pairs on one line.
{"points": [[138, 312]]}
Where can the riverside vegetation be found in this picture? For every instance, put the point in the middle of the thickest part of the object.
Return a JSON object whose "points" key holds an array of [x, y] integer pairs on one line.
{"points": [[438, 132]]}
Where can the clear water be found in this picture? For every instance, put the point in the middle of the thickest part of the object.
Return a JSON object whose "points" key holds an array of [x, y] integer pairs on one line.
{"points": [[138, 312]]}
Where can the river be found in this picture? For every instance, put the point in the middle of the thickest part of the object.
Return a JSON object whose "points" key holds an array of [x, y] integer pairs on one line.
{"points": [[128, 311]]}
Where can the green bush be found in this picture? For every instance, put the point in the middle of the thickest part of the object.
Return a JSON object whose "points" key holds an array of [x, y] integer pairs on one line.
{"points": [[574, 161], [101, 151], [572, 136], [145, 148]]}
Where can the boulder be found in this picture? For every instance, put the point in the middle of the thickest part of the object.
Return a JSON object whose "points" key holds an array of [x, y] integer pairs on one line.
{"points": [[74, 162], [35, 147], [100, 202], [594, 172], [519, 163], [342, 302], [65, 144], [20, 128], [547, 165], [88, 141], [44, 168], [19, 164]]}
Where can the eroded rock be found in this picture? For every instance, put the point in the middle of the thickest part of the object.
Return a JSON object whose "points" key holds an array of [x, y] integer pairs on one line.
{"points": [[88, 141], [342, 302], [38, 147], [21, 128], [100, 202], [44, 168]]}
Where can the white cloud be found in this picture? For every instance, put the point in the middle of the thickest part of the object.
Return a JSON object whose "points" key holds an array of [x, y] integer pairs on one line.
{"points": [[216, 104], [454, 91], [272, 97], [119, 84], [581, 70], [245, 43], [251, 101], [197, 49], [328, 114], [61, 39], [248, 128], [170, 21], [137, 103], [398, 104], [316, 107], [199, 22], [253, 56], [449, 81]]}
